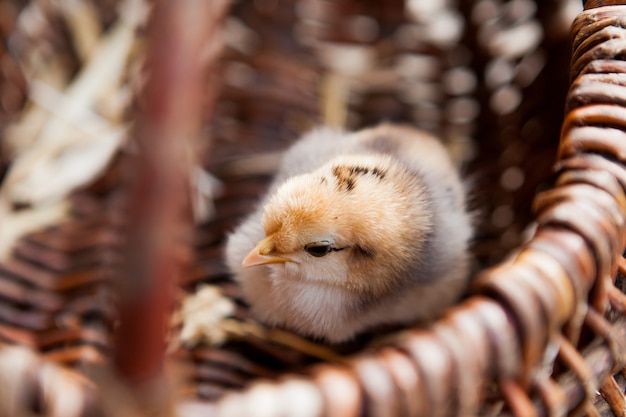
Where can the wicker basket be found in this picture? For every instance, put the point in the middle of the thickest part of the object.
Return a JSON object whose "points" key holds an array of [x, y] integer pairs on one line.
{"points": [[543, 331]]}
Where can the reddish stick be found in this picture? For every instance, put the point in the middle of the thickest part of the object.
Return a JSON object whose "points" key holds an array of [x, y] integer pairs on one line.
{"points": [[168, 122]]}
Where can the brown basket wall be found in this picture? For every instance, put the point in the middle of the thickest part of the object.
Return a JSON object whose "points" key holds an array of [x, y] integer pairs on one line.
{"points": [[542, 331]]}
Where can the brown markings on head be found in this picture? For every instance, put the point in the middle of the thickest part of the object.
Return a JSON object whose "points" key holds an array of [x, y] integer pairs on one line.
{"points": [[360, 170], [347, 175]]}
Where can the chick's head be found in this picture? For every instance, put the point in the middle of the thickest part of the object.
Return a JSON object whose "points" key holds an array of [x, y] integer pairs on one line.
{"points": [[358, 222]]}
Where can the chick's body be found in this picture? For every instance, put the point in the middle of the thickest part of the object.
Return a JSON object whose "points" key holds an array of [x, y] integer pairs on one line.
{"points": [[358, 230]]}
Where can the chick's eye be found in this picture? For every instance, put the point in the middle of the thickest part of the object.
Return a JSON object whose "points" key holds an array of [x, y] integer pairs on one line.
{"points": [[318, 249]]}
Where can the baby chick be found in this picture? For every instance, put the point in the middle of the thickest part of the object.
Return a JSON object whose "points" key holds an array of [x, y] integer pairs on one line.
{"points": [[358, 230]]}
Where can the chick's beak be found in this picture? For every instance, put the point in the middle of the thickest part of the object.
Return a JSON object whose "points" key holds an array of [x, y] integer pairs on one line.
{"points": [[260, 255]]}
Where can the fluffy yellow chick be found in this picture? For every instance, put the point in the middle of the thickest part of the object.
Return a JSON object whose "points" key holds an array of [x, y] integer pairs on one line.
{"points": [[358, 230]]}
